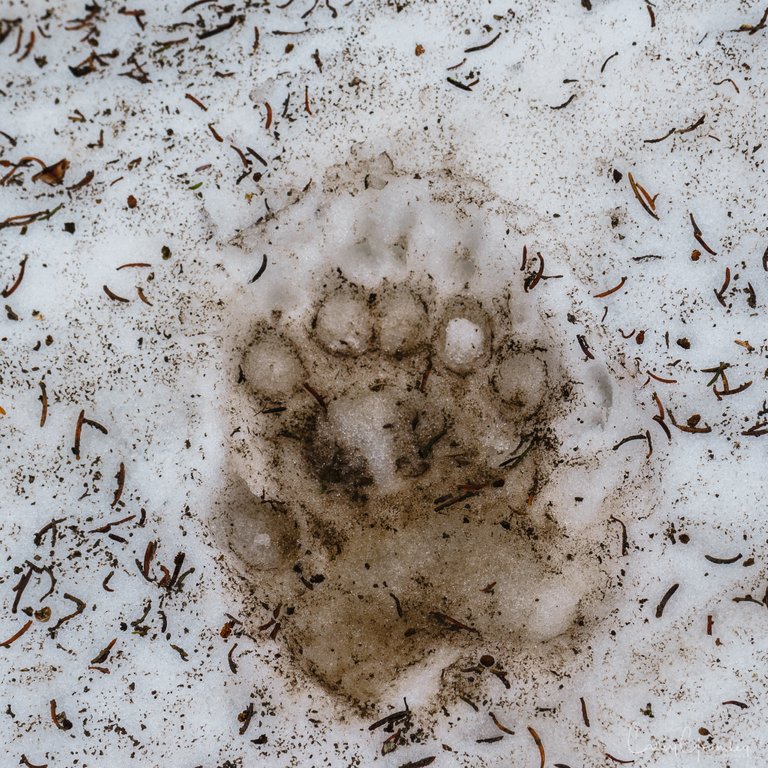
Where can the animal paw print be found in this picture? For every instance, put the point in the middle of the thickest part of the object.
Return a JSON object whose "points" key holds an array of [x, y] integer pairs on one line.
{"points": [[390, 441]]}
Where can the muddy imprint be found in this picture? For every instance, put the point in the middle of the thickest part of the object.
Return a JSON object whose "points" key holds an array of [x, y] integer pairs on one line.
{"points": [[393, 434]]}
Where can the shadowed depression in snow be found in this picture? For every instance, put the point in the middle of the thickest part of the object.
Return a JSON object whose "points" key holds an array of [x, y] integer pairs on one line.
{"points": [[394, 443]]}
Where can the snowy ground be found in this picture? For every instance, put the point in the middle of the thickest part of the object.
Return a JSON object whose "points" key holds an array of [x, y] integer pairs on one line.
{"points": [[622, 140]]}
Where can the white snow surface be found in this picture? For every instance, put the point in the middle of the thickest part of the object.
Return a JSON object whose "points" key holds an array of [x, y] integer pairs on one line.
{"points": [[464, 341], [553, 117]]}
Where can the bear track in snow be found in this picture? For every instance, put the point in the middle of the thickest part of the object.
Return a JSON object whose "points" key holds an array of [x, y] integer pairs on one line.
{"points": [[392, 433]]}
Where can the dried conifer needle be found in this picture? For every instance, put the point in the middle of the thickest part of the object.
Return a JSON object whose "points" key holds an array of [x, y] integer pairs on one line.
{"points": [[660, 379], [602, 69], [81, 421], [43, 404], [245, 161], [661, 138], [697, 233], [195, 101], [728, 80], [458, 84], [312, 391], [726, 390], [450, 623], [231, 660], [112, 295], [533, 280], [624, 535], [720, 295], [483, 46], [539, 744], [120, 477], [664, 600], [59, 718], [584, 715], [648, 202], [26, 762], [17, 282], [565, 103], [663, 425], [615, 288], [723, 560], [758, 429], [693, 126], [260, 270], [103, 654], [133, 264], [628, 440], [80, 607], [692, 426], [7, 643], [585, 347], [608, 754], [501, 727]]}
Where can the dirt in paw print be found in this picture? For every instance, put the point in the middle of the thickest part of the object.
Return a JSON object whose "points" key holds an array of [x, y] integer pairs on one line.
{"points": [[394, 424]]}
